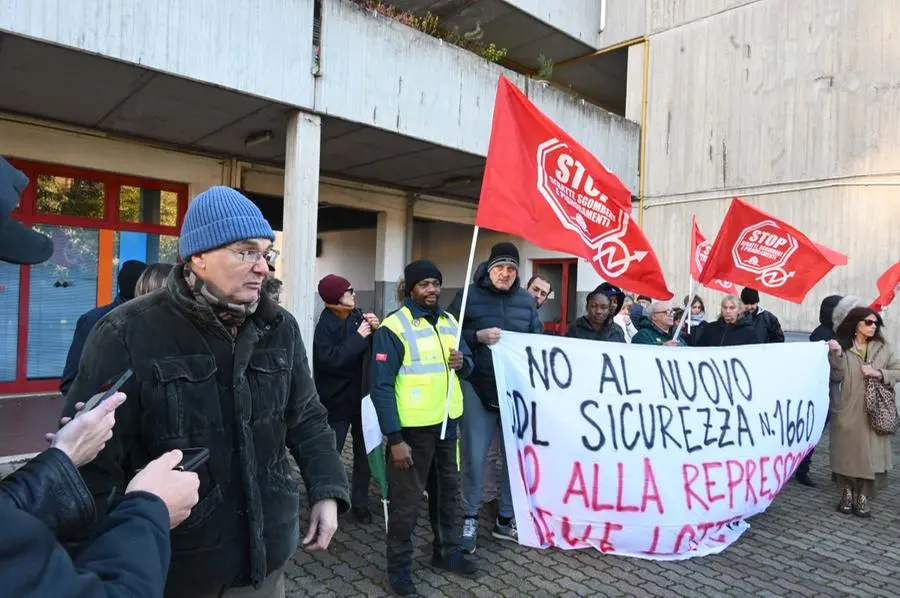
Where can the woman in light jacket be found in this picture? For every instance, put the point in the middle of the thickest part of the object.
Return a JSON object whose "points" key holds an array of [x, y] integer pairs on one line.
{"points": [[860, 458]]}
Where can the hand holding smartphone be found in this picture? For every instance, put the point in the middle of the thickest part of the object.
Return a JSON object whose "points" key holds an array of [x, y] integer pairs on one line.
{"points": [[99, 398]]}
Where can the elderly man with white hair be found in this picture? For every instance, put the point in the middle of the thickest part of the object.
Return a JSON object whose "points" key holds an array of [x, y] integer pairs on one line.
{"points": [[656, 326]]}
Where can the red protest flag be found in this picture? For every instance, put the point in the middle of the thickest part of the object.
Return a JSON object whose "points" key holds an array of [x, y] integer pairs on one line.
{"points": [[541, 185], [760, 251], [699, 255], [887, 287]]}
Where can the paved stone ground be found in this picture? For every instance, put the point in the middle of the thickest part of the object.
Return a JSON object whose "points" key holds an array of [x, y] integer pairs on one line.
{"points": [[800, 547]]}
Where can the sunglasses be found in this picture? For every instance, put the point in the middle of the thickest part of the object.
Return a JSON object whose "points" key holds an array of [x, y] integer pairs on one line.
{"points": [[871, 322]]}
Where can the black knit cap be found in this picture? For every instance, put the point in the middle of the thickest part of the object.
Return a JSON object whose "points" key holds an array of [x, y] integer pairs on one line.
{"points": [[128, 277], [418, 271], [749, 296], [503, 253]]}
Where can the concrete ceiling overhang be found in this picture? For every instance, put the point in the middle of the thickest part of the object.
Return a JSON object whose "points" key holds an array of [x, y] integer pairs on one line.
{"points": [[58, 84], [599, 79]]}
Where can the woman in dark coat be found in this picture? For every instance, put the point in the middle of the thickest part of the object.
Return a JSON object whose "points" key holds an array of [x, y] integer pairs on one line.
{"points": [[731, 329], [340, 359]]}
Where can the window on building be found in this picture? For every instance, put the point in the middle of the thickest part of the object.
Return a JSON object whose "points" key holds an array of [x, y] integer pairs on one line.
{"points": [[97, 221], [69, 196]]}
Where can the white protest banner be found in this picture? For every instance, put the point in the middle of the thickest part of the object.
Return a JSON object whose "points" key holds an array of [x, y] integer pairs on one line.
{"points": [[652, 452]]}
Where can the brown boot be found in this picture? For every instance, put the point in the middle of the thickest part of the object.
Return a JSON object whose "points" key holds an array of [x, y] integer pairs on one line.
{"points": [[861, 506], [846, 505]]}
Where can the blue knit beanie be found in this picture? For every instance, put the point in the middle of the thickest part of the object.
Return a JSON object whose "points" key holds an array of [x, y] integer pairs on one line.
{"points": [[219, 216]]}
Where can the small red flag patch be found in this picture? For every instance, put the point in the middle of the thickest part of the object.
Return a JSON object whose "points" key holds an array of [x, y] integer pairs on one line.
{"points": [[381, 357]]}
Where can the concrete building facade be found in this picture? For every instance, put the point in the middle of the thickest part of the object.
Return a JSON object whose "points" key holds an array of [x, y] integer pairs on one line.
{"points": [[361, 139]]}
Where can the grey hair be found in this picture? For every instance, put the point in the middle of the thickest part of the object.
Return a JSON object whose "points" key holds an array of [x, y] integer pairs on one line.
{"points": [[152, 278], [737, 302]]}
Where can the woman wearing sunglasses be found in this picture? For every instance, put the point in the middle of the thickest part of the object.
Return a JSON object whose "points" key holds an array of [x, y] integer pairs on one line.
{"points": [[860, 458]]}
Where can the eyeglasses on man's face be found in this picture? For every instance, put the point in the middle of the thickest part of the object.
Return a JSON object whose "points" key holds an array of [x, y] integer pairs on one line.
{"points": [[253, 256]]}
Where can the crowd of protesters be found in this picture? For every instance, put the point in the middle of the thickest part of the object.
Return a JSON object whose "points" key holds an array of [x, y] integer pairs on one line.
{"points": [[218, 369]]}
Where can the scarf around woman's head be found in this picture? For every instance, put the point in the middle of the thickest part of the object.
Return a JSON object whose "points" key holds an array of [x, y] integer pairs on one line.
{"points": [[697, 318], [232, 315]]}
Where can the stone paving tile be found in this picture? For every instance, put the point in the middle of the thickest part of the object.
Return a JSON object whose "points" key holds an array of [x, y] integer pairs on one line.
{"points": [[800, 547]]}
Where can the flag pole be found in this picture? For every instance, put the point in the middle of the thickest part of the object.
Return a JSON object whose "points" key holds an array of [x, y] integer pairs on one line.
{"points": [[459, 326], [686, 311]]}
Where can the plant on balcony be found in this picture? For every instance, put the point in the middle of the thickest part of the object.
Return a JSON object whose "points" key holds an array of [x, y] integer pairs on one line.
{"points": [[430, 24]]}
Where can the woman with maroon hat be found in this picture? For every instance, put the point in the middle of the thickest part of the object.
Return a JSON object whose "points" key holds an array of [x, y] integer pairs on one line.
{"points": [[340, 349]]}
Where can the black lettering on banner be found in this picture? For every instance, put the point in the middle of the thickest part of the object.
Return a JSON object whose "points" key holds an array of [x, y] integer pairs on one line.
{"points": [[628, 390], [628, 445], [703, 381], [521, 418], [612, 427], [534, 427], [725, 427], [707, 427], [664, 426], [765, 426], [533, 366], [743, 426], [650, 440], [666, 382], [608, 374], [601, 440], [747, 392], [554, 353], [690, 396], [687, 431], [545, 370], [725, 380]]}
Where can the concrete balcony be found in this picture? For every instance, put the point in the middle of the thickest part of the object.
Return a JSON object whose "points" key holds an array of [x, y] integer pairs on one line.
{"points": [[400, 108]]}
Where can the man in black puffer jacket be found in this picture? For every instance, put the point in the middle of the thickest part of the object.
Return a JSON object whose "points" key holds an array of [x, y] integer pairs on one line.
{"points": [[496, 302]]}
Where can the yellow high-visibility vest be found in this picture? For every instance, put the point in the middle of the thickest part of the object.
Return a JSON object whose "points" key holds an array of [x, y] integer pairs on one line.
{"points": [[421, 383]]}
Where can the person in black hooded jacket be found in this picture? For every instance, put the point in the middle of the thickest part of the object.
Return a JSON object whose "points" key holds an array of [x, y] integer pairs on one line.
{"points": [[823, 332], [496, 302], [597, 323], [731, 329]]}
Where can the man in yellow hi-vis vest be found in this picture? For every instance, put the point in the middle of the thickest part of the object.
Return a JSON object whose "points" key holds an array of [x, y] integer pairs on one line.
{"points": [[414, 361]]}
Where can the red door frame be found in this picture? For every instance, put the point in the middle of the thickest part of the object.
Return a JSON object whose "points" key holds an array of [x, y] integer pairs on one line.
{"points": [[563, 324], [27, 214]]}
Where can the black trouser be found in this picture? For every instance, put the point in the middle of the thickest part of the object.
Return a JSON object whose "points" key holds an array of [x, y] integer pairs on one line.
{"points": [[803, 468], [359, 488], [405, 488]]}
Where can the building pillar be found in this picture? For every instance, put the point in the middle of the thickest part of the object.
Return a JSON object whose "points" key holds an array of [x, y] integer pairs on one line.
{"points": [[390, 256], [301, 205]]}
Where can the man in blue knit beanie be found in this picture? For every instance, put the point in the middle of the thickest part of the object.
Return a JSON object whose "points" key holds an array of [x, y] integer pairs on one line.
{"points": [[219, 366]]}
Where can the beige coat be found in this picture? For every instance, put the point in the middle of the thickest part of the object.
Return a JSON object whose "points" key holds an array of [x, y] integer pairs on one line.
{"points": [[856, 450]]}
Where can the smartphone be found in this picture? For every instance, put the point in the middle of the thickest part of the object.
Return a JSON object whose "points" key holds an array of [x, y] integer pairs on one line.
{"points": [[193, 458], [97, 399]]}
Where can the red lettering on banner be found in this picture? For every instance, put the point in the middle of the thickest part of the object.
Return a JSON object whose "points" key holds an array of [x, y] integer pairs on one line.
{"points": [[567, 533], [620, 490], [651, 490], [732, 481], [655, 542], [596, 505], [529, 451], [687, 529], [546, 536], [778, 459], [577, 486], [750, 469], [767, 494], [606, 544], [711, 483], [688, 491]]}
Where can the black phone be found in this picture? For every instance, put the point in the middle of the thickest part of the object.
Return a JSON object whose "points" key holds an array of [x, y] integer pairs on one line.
{"points": [[193, 458], [97, 399]]}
